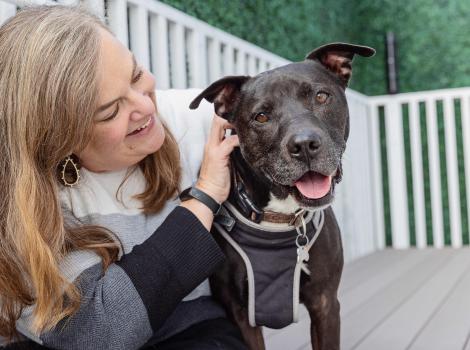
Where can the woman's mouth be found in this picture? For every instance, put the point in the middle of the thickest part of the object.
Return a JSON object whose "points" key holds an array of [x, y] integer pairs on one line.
{"points": [[142, 129]]}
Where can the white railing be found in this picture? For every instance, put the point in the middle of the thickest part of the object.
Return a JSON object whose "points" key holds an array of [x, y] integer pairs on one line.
{"points": [[185, 52], [181, 50], [358, 206], [430, 106]]}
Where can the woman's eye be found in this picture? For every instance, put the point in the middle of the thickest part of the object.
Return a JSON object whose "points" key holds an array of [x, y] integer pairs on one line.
{"points": [[261, 118], [322, 97], [137, 76], [112, 116]]}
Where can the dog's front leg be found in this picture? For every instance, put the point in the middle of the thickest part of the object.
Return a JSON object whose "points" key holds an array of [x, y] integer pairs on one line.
{"points": [[325, 322], [253, 336]]}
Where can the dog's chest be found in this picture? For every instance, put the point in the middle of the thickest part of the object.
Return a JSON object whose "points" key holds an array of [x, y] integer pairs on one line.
{"points": [[273, 270]]}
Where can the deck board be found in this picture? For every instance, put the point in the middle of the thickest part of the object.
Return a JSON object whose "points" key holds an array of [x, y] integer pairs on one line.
{"points": [[390, 272], [449, 327], [360, 323], [398, 329], [363, 269], [397, 299]]}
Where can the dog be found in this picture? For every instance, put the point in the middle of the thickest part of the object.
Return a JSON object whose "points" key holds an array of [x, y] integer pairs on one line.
{"points": [[293, 124]]}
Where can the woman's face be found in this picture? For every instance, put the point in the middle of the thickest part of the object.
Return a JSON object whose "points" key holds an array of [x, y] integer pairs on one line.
{"points": [[126, 127]]}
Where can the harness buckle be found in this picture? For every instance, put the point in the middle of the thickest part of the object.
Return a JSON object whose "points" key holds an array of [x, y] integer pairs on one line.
{"points": [[225, 219]]}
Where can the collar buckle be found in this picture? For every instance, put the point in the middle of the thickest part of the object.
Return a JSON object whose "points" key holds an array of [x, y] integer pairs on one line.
{"points": [[296, 219], [250, 210]]}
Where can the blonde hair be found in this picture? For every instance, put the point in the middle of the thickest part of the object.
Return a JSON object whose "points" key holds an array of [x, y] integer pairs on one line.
{"points": [[48, 89]]}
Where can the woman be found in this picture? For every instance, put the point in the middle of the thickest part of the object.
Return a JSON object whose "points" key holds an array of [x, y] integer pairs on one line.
{"points": [[96, 250]]}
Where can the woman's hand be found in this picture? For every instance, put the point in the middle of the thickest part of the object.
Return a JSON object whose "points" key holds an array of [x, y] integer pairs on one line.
{"points": [[214, 177]]}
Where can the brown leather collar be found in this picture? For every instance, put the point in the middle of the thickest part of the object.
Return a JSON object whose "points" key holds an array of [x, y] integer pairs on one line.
{"points": [[281, 218], [252, 212]]}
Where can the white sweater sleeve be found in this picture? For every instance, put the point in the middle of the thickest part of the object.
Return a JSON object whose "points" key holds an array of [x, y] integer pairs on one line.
{"points": [[189, 127]]}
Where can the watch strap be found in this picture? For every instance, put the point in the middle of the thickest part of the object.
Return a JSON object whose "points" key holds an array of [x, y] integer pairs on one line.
{"points": [[193, 192]]}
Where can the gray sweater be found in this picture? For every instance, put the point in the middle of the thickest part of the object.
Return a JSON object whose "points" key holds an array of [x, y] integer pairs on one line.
{"points": [[159, 286]]}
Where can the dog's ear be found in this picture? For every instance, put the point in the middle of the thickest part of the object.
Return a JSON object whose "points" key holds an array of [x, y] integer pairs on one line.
{"points": [[223, 93], [337, 57]]}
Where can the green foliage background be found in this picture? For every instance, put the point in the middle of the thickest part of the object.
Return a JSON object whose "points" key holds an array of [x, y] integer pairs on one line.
{"points": [[432, 35]]}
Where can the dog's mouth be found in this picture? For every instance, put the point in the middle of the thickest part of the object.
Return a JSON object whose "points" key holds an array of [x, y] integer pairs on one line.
{"points": [[313, 185], [314, 189]]}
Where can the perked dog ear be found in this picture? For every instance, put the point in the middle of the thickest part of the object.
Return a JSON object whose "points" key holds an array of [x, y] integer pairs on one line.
{"points": [[223, 93], [337, 57]]}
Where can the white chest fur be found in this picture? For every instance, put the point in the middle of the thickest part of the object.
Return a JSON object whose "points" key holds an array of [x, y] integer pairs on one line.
{"points": [[284, 206]]}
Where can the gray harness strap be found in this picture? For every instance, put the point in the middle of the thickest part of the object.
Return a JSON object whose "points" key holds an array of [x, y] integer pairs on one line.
{"points": [[273, 266]]}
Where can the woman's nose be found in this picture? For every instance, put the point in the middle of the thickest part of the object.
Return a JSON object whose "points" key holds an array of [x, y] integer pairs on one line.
{"points": [[142, 104]]}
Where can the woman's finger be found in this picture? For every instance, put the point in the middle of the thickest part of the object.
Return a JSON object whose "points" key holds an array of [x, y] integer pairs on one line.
{"points": [[218, 128], [229, 144], [226, 126]]}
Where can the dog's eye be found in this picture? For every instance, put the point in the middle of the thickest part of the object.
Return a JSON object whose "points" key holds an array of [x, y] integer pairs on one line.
{"points": [[261, 118], [321, 97]]}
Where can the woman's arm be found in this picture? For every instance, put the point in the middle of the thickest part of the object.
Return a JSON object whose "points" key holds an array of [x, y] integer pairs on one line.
{"points": [[122, 308]]}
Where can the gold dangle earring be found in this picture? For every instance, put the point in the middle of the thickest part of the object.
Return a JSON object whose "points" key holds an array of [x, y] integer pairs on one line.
{"points": [[69, 171]]}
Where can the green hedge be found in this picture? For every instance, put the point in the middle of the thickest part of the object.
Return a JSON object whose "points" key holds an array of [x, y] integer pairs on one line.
{"points": [[433, 39]]}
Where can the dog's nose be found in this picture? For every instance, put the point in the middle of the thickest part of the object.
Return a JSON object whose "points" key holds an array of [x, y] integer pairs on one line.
{"points": [[304, 144]]}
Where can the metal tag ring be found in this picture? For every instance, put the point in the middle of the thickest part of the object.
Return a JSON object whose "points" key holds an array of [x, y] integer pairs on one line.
{"points": [[297, 241]]}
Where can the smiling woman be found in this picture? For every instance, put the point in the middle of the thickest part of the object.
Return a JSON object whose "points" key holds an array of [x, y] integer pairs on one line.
{"points": [[96, 250], [126, 125]]}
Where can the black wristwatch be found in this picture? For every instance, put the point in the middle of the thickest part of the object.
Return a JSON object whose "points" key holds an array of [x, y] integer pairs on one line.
{"points": [[193, 192]]}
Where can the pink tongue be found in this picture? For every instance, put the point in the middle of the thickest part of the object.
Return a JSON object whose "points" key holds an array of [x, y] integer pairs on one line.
{"points": [[313, 185]]}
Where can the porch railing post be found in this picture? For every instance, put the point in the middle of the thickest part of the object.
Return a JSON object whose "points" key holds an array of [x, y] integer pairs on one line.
{"points": [[229, 60], [375, 161], [177, 56], [397, 175], [252, 65], [418, 179], [465, 113], [139, 35], [160, 50], [240, 67], [434, 173], [452, 173], [214, 60], [197, 55], [117, 17]]}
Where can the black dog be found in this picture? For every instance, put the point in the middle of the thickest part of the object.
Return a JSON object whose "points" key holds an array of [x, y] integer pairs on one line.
{"points": [[293, 124]]}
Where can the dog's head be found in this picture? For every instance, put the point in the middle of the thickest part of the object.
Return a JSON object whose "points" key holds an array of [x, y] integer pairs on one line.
{"points": [[292, 121]]}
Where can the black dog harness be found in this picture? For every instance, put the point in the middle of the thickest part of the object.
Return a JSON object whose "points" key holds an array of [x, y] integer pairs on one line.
{"points": [[274, 259]]}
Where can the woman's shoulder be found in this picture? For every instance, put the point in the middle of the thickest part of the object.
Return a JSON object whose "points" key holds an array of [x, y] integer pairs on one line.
{"points": [[173, 107], [189, 127]]}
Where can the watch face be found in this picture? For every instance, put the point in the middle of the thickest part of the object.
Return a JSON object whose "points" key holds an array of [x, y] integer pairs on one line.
{"points": [[182, 194]]}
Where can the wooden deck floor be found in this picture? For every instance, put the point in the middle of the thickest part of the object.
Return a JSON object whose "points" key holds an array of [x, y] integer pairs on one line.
{"points": [[397, 300]]}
